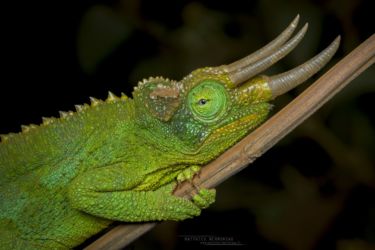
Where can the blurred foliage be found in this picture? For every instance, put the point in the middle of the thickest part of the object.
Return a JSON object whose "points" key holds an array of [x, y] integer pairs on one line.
{"points": [[314, 190]]}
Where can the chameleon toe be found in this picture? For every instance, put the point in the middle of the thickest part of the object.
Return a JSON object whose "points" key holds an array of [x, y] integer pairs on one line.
{"points": [[204, 198]]}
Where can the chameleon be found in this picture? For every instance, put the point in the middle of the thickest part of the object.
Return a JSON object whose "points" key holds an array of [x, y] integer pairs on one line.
{"points": [[120, 159]]}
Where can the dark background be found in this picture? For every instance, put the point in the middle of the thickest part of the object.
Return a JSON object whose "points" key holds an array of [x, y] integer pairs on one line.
{"points": [[314, 190]]}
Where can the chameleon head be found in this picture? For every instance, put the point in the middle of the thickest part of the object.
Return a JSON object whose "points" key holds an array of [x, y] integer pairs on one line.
{"points": [[212, 108]]}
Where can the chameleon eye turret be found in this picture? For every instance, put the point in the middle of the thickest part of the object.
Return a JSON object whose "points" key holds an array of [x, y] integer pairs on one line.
{"points": [[208, 101]]}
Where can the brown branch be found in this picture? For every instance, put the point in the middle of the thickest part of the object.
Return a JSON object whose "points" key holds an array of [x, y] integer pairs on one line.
{"points": [[259, 141]]}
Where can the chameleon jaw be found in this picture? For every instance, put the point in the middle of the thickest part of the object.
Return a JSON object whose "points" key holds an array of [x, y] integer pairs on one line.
{"points": [[244, 123]]}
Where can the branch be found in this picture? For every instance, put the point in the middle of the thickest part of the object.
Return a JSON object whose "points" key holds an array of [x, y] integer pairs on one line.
{"points": [[260, 140]]}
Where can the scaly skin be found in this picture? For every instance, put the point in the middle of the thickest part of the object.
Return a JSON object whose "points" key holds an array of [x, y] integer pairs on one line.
{"points": [[119, 159]]}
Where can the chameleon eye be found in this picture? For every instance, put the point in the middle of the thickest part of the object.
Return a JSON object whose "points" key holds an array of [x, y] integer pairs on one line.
{"points": [[208, 101], [202, 102]]}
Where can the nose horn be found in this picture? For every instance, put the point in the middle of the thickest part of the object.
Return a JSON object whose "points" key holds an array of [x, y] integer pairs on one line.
{"points": [[255, 68], [282, 83]]}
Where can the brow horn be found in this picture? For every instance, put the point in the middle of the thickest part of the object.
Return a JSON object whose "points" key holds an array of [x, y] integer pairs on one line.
{"points": [[281, 83], [255, 68], [266, 50]]}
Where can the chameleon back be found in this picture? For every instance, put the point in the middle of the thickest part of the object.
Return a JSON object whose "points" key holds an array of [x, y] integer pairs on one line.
{"points": [[36, 167]]}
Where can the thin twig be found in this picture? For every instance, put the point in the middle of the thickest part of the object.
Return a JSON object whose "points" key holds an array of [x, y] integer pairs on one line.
{"points": [[259, 141]]}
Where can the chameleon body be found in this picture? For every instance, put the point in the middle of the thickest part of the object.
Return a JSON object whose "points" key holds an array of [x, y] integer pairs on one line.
{"points": [[120, 159]]}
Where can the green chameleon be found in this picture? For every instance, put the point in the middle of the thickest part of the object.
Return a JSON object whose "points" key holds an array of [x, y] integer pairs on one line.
{"points": [[120, 159]]}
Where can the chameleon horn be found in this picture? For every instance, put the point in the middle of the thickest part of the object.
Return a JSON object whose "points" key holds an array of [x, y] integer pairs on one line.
{"points": [[266, 50], [253, 69], [282, 83]]}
